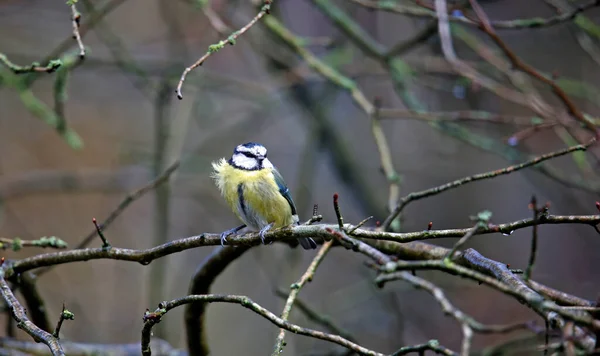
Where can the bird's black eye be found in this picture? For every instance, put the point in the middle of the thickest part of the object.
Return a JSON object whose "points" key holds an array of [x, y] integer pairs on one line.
{"points": [[248, 154]]}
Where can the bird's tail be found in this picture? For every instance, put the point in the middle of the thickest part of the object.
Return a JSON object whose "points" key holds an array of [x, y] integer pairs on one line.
{"points": [[307, 243]]}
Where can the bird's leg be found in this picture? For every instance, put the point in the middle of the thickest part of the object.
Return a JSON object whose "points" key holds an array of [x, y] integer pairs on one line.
{"points": [[263, 231], [229, 232]]}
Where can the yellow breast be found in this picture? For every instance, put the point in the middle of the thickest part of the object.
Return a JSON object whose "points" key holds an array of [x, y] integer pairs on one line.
{"points": [[260, 195]]}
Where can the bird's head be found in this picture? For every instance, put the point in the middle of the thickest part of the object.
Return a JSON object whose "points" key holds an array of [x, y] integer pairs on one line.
{"points": [[250, 156]]}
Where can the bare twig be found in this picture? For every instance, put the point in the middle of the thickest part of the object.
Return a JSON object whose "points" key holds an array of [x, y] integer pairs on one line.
{"points": [[105, 243], [218, 46], [23, 323], [130, 198], [546, 309], [336, 208], [76, 20], [295, 288], [472, 231], [518, 63], [433, 191], [468, 323], [316, 316], [536, 22], [150, 319], [466, 115], [64, 315], [536, 212], [385, 156]]}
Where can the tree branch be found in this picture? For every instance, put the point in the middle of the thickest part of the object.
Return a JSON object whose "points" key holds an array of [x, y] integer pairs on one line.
{"points": [[151, 319], [23, 323], [195, 313]]}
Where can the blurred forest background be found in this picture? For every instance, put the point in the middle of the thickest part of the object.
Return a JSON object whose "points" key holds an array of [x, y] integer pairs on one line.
{"points": [[121, 101]]}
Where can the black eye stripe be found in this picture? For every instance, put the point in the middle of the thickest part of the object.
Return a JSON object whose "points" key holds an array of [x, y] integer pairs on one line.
{"points": [[248, 154]]}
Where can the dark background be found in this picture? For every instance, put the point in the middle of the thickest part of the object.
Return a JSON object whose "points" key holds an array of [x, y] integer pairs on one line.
{"points": [[133, 126]]}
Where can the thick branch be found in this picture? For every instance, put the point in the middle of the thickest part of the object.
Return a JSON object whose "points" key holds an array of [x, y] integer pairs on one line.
{"points": [[253, 239], [23, 322], [195, 313]]}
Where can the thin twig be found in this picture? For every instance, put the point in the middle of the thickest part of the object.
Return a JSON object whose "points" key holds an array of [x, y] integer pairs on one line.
{"points": [[385, 156], [52, 66], [336, 208], [529, 297], [150, 319], [468, 323], [465, 115], [433, 191], [534, 237], [295, 289], [76, 20], [472, 231], [105, 243], [23, 323], [218, 46], [487, 27], [64, 315], [316, 317], [536, 22], [130, 198]]}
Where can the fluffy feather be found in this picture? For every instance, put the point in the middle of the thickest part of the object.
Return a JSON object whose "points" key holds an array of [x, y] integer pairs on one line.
{"points": [[258, 197], [263, 203]]}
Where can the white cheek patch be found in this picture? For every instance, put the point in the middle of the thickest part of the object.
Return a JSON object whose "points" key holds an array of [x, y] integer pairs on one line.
{"points": [[242, 161]]}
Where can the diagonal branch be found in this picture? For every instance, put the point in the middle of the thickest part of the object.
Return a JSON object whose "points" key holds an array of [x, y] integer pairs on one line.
{"points": [[23, 322], [306, 277], [218, 46], [434, 191], [518, 63]]}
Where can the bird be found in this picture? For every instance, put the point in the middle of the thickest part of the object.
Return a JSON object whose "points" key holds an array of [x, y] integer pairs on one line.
{"points": [[256, 192]]}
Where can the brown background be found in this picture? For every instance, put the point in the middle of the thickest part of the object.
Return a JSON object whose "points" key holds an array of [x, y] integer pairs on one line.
{"points": [[237, 99]]}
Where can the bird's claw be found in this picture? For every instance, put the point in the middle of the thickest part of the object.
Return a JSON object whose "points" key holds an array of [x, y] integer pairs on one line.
{"points": [[224, 237], [263, 231], [224, 234]]}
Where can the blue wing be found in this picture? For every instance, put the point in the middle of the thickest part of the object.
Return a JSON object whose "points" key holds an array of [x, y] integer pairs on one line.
{"points": [[307, 243], [283, 189]]}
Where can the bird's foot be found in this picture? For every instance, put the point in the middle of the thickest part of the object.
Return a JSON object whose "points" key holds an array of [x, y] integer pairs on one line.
{"points": [[263, 231], [224, 234]]}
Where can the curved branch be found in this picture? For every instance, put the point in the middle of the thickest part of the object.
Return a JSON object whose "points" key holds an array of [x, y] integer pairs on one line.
{"points": [[204, 277], [23, 322], [151, 319]]}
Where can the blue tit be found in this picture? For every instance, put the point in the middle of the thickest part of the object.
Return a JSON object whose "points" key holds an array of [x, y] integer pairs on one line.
{"points": [[256, 192]]}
